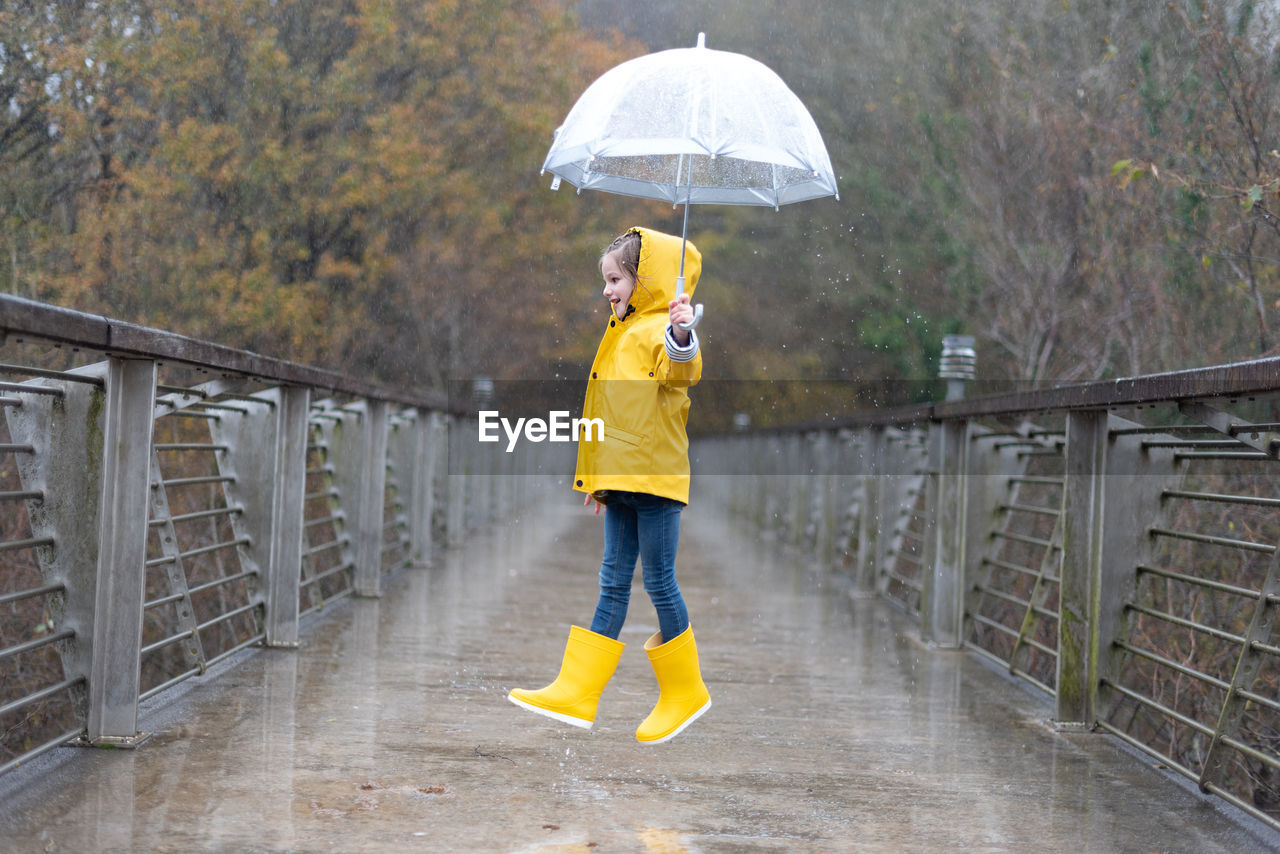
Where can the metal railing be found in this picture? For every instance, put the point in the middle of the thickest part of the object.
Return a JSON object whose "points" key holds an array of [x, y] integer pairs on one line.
{"points": [[1113, 544], [166, 503]]}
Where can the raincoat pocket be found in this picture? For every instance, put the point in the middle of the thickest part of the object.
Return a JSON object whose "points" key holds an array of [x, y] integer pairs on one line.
{"points": [[626, 437]]}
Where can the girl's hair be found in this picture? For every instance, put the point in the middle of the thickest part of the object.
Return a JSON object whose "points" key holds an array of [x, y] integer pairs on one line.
{"points": [[627, 248]]}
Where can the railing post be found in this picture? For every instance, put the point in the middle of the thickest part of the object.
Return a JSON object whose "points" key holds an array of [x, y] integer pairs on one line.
{"points": [[824, 476], [873, 464], [114, 669], [426, 427], [458, 479], [756, 503], [888, 481], [64, 477], [293, 406], [266, 451], [796, 503], [273, 491], [849, 500], [943, 578], [776, 467], [902, 480], [1082, 519], [369, 509], [1111, 500]]}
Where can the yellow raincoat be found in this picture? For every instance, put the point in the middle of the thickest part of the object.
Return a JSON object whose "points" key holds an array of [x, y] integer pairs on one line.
{"points": [[638, 390]]}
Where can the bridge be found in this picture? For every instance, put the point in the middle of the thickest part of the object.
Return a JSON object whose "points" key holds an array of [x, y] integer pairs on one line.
{"points": [[285, 606]]}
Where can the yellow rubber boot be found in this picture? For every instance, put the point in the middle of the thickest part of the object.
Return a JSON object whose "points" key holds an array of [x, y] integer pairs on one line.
{"points": [[588, 665], [682, 695]]}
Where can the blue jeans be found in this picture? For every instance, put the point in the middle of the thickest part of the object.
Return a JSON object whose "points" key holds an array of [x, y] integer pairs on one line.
{"points": [[636, 524]]}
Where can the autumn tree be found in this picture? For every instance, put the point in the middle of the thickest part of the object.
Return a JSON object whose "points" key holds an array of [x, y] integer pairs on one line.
{"points": [[1212, 160], [40, 60], [354, 183]]}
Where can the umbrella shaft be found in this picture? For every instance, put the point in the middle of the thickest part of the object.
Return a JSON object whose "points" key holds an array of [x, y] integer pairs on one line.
{"points": [[684, 239]]}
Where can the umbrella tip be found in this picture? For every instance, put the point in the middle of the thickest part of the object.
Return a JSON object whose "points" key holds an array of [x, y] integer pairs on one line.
{"points": [[702, 39]]}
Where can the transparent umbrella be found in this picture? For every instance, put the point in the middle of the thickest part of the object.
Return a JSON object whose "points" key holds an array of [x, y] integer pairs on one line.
{"points": [[693, 126]]}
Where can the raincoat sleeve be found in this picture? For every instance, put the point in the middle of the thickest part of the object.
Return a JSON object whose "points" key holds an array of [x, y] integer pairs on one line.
{"points": [[679, 367]]}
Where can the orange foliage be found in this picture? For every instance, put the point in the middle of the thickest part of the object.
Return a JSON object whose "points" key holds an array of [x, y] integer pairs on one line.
{"points": [[288, 176]]}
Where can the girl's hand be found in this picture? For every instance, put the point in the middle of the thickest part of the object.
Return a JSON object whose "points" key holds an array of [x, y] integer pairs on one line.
{"points": [[681, 312], [587, 499]]}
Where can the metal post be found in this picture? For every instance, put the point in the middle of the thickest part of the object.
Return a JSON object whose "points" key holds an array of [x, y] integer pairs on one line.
{"points": [[369, 513], [292, 417], [848, 501], [421, 489], [1111, 501], [1082, 518], [943, 578], [66, 476], [437, 484], [892, 485], [114, 670], [773, 466], [824, 479], [873, 463], [796, 502], [459, 467], [269, 447]]}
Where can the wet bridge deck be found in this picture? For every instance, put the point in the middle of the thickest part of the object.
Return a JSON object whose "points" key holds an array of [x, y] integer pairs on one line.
{"points": [[832, 730]]}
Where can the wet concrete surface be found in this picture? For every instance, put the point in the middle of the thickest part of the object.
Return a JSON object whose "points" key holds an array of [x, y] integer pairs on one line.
{"points": [[832, 729]]}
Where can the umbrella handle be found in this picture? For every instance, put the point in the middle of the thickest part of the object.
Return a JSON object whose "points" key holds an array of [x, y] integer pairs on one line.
{"points": [[697, 309], [697, 318]]}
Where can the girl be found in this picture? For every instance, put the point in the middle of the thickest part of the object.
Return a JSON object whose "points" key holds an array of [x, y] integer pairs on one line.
{"points": [[640, 475]]}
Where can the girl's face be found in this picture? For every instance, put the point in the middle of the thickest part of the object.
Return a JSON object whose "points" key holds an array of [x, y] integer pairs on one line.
{"points": [[618, 286]]}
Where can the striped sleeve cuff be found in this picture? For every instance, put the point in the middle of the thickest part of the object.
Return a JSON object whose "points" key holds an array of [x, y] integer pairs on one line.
{"points": [[681, 354]]}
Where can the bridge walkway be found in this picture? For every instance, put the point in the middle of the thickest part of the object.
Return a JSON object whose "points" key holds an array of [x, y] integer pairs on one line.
{"points": [[833, 729]]}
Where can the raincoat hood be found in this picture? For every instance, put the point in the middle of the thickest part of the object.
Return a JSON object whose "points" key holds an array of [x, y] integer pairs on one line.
{"points": [[659, 266]]}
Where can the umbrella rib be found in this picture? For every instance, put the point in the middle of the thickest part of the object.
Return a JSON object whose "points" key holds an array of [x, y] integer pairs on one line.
{"points": [[691, 131], [773, 167]]}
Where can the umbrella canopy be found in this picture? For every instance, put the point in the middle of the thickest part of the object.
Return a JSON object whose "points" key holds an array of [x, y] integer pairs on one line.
{"points": [[693, 125]]}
